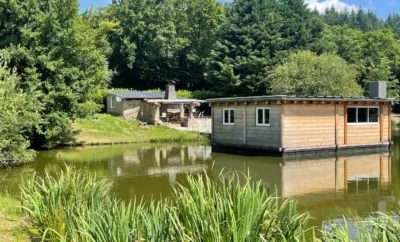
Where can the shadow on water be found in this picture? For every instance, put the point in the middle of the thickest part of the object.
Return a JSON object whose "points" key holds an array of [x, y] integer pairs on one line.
{"points": [[322, 185]]}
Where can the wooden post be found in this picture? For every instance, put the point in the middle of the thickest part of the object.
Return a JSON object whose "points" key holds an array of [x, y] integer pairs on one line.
{"points": [[390, 121], [212, 123], [381, 122], [190, 110], [182, 111], [282, 126], [245, 125], [336, 127], [345, 125]]}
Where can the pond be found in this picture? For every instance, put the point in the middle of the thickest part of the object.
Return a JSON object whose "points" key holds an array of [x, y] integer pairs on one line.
{"points": [[322, 185]]}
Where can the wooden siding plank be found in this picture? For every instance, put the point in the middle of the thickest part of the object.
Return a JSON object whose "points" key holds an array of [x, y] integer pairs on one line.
{"points": [[381, 121], [283, 126], [336, 125], [390, 122], [345, 125], [244, 126]]}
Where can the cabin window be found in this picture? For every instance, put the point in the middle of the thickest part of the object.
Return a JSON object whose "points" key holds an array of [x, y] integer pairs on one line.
{"points": [[363, 115], [262, 117], [112, 102], [228, 116]]}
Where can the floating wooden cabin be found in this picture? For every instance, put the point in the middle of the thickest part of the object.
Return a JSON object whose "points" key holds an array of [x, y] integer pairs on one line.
{"points": [[293, 125]]}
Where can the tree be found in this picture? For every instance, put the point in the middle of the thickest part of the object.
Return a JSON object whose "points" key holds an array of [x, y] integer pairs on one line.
{"points": [[165, 41], [57, 52], [307, 74], [393, 22], [199, 24], [19, 115], [374, 54], [253, 39], [361, 20]]}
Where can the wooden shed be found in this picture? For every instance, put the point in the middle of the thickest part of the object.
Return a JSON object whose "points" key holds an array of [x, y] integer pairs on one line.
{"points": [[292, 125]]}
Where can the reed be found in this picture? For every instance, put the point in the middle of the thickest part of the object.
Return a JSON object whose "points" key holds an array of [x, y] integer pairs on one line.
{"points": [[75, 206], [376, 227]]}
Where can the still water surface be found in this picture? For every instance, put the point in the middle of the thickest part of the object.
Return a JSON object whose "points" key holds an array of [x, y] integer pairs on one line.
{"points": [[322, 185]]}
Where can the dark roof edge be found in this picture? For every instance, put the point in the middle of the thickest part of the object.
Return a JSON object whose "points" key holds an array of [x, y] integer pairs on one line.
{"points": [[293, 98]]}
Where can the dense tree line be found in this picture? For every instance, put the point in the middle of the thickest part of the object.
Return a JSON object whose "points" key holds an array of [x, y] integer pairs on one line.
{"points": [[62, 61]]}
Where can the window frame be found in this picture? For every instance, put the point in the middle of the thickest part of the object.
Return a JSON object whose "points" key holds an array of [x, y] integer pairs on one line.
{"points": [[112, 102], [269, 120], [229, 116], [364, 123]]}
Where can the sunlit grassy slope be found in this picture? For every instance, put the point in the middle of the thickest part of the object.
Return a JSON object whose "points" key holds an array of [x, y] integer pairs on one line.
{"points": [[109, 129]]}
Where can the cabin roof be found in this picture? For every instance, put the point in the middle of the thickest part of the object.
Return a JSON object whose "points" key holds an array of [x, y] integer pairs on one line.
{"points": [[139, 94], [298, 98]]}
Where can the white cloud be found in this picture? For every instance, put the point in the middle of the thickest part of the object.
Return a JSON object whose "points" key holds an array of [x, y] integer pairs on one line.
{"points": [[338, 4]]}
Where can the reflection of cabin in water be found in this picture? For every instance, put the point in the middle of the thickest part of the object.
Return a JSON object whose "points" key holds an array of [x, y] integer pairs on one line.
{"points": [[154, 107], [291, 125], [321, 185]]}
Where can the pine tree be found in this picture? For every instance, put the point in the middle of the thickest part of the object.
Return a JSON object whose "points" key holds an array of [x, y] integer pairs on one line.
{"points": [[256, 35]]}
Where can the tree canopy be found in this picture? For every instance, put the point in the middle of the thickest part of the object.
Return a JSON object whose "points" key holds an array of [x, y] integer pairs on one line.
{"points": [[253, 38], [307, 74], [19, 116], [56, 52]]}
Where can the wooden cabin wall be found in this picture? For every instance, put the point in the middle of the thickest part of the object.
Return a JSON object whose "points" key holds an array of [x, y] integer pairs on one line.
{"points": [[228, 134], [312, 126], [369, 134], [245, 132], [264, 136], [309, 126], [300, 126]]}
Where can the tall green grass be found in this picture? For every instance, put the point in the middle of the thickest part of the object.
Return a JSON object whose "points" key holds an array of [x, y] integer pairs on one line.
{"points": [[78, 207], [376, 227]]}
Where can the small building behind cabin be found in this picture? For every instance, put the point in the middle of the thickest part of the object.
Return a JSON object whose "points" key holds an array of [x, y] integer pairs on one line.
{"points": [[293, 125], [158, 108]]}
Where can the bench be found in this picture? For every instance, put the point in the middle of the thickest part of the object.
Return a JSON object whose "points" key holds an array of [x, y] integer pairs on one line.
{"points": [[142, 124]]}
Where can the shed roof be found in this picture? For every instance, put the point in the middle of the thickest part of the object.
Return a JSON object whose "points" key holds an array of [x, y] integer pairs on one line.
{"points": [[299, 98], [139, 94]]}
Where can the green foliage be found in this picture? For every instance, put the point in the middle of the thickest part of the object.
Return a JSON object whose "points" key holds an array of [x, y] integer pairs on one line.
{"points": [[375, 54], [57, 51], [79, 207], [376, 227], [19, 115], [254, 37], [361, 20], [161, 42], [308, 74]]}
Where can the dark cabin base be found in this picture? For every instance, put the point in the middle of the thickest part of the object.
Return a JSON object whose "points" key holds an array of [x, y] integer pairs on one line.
{"points": [[256, 151]]}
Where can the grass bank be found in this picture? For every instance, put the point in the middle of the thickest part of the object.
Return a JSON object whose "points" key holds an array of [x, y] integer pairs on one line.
{"points": [[109, 129], [13, 225]]}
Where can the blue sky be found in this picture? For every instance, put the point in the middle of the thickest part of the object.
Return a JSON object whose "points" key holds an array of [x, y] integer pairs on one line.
{"points": [[380, 7]]}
